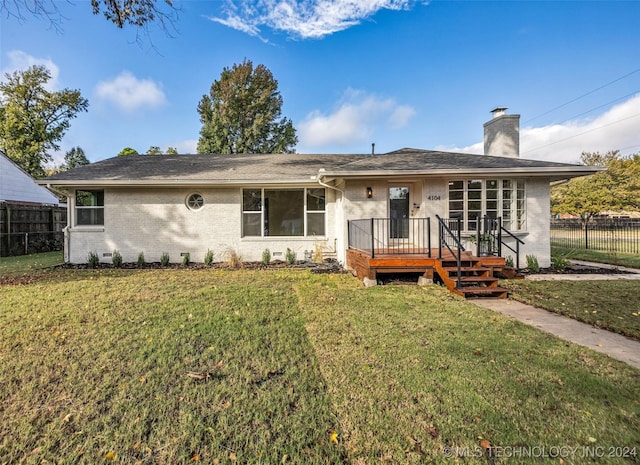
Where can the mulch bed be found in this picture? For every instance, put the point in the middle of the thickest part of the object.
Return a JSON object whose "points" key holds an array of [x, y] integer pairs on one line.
{"points": [[328, 266]]}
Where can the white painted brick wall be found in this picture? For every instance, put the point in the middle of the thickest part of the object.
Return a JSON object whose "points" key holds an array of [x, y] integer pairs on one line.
{"points": [[537, 241], [154, 221]]}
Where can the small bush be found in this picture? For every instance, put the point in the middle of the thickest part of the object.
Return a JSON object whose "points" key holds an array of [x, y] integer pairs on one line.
{"points": [[290, 256], [559, 263], [164, 259], [532, 263], [93, 260], [234, 259], [318, 254], [208, 258], [141, 261], [266, 256], [508, 261], [116, 259], [186, 258]]}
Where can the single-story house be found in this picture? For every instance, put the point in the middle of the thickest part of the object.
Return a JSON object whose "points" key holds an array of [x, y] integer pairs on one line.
{"points": [[247, 203]]}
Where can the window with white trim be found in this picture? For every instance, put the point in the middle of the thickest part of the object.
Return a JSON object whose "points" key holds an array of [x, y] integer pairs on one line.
{"points": [[283, 212], [505, 198], [90, 208]]}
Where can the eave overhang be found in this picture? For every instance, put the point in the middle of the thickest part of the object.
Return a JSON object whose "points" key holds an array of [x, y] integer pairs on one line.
{"points": [[554, 173]]}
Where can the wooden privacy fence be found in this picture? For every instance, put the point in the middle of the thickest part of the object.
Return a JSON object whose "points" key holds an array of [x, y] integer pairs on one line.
{"points": [[26, 229], [604, 234]]}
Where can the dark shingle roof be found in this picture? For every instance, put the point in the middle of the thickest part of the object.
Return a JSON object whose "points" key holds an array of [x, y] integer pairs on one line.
{"points": [[257, 168]]}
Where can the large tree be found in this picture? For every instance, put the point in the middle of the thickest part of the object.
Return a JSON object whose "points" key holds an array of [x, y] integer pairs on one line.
{"points": [[617, 188], [242, 114], [137, 13], [33, 120]]}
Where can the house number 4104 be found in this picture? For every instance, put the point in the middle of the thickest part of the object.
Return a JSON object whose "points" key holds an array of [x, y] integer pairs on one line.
{"points": [[433, 197]]}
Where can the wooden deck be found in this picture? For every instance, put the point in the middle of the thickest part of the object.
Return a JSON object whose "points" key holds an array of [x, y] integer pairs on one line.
{"points": [[477, 273]]}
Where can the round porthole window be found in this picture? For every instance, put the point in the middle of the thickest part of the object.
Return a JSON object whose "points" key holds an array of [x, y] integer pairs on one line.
{"points": [[195, 201]]}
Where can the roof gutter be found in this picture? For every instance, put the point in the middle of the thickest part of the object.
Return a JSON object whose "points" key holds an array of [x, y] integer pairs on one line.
{"points": [[173, 183], [557, 172]]}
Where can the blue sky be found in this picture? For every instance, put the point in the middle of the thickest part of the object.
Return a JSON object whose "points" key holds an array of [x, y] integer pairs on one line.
{"points": [[399, 73]]}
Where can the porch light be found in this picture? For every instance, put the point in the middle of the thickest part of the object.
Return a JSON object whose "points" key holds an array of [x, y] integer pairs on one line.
{"points": [[369, 192]]}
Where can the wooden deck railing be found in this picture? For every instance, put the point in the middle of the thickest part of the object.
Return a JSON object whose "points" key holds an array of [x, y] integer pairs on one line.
{"points": [[383, 236]]}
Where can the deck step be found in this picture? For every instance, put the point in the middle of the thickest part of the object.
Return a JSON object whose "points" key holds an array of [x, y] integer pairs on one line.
{"points": [[454, 269], [478, 290], [477, 279]]}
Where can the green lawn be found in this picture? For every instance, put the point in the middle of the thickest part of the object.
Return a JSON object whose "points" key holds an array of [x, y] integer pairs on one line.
{"points": [[27, 264], [611, 305], [103, 366], [617, 258]]}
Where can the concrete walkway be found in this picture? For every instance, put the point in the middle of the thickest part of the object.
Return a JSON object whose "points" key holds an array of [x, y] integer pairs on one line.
{"points": [[615, 345]]}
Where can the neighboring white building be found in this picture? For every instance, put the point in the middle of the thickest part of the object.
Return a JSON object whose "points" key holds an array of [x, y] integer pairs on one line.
{"points": [[17, 186], [179, 204]]}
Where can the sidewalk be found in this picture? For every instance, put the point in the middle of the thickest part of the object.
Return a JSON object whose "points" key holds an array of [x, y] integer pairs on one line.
{"points": [[615, 345]]}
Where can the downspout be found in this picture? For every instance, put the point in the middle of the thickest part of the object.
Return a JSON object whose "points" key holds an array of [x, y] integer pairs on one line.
{"points": [[323, 184], [328, 186]]}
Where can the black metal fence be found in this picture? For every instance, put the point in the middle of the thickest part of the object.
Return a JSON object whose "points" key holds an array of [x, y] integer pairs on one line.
{"points": [[621, 235], [26, 229], [390, 236]]}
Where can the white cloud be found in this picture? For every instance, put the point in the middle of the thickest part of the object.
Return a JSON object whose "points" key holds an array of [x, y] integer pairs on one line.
{"points": [[303, 18], [401, 116], [616, 129], [130, 93], [355, 120], [20, 61], [188, 146]]}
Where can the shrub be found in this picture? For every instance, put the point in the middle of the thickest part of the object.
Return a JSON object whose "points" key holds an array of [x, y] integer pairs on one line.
{"points": [[186, 258], [266, 256], [508, 261], [208, 258], [532, 263], [141, 261], [93, 260], [234, 259], [318, 254], [116, 259], [559, 263], [290, 256], [164, 259]]}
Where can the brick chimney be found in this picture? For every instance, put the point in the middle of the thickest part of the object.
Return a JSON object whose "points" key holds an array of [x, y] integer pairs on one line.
{"points": [[502, 134]]}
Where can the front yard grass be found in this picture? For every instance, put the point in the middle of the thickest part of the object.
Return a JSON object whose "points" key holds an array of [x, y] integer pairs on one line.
{"points": [[29, 264], [598, 256], [181, 366], [610, 305]]}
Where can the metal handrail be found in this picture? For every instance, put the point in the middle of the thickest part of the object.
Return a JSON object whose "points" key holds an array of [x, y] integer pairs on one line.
{"points": [[460, 248], [516, 250], [487, 228]]}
